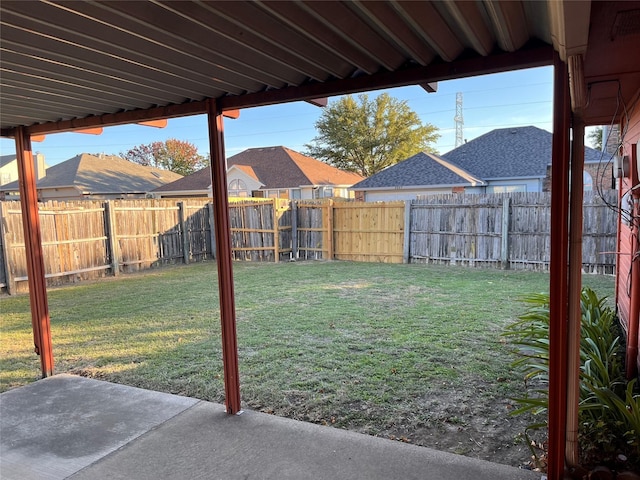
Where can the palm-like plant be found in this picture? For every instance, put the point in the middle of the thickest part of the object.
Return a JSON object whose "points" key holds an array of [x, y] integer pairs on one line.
{"points": [[609, 407]]}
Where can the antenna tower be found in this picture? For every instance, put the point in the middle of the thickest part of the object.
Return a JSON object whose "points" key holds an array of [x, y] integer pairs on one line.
{"points": [[458, 119]]}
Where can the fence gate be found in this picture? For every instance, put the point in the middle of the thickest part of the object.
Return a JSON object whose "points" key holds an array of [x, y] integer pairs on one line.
{"points": [[368, 232]]}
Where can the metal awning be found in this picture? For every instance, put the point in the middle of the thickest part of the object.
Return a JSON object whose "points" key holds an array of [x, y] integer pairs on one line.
{"points": [[62, 61]]}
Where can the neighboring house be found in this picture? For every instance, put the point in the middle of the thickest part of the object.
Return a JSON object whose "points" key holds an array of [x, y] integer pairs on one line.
{"points": [[515, 159], [501, 161], [9, 168], [90, 177], [198, 184], [276, 172], [420, 175]]}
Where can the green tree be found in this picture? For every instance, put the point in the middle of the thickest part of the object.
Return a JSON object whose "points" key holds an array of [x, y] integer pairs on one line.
{"points": [[366, 136], [178, 156], [595, 138]]}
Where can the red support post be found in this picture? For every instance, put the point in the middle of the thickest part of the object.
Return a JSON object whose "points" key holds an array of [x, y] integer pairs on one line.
{"points": [[575, 288], [632, 361], [40, 320], [559, 273], [223, 256]]}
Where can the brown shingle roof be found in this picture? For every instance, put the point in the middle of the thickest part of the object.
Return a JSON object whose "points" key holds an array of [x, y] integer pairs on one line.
{"points": [[274, 167], [200, 180], [248, 170], [281, 167]]}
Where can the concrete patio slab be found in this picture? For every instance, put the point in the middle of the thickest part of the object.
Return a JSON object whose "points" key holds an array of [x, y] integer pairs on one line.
{"points": [[52, 428], [73, 427]]}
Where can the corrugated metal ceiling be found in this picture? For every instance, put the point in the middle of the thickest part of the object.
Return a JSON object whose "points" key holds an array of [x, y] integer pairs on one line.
{"points": [[67, 60], [73, 59]]}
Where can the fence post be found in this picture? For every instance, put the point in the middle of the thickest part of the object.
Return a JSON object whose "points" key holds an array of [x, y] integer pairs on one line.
{"points": [[504, 245], [276, 232], [5, 252], [406, 257], [183, 229], [330, 230], [212, 227], [110, 217], [294, 229]]}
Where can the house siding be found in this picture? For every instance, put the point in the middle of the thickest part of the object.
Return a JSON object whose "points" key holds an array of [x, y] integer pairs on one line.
{"points": [[251, 183], [391, 195], [626, 284]]}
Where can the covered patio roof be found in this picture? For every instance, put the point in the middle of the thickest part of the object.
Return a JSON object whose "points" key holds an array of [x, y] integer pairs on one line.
{"points": [[74, 65], [68, 65]]}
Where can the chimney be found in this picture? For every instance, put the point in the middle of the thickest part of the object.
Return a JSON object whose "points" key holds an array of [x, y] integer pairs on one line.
{"points": [[38, 163]]}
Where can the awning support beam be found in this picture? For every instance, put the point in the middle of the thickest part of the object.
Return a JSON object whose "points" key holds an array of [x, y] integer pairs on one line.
{"points": [[40, 320], [223, 258]]}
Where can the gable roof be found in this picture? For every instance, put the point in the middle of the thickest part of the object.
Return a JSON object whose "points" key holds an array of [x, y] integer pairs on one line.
{"points": [[274, 167], [108, 174], [200, 180], [509, 153], [6, 160], [419, 170], [246, 169], [281, 167]]}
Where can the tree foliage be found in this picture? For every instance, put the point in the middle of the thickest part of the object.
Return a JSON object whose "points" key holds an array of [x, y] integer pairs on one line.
{"points": [[178, 156], [366, 136], [595, 138]]}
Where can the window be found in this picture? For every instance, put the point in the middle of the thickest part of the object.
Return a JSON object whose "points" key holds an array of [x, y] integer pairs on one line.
{"points": [[322, 192], [506, 188], [587, 181], [237, 188], [278, 193]]}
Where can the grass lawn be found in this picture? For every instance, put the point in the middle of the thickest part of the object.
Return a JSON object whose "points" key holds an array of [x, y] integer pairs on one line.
{"points": [[411, 352]]}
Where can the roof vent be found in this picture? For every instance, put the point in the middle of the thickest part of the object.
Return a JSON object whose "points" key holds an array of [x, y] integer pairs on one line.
{"points": [[514, 131], [626, 23]]}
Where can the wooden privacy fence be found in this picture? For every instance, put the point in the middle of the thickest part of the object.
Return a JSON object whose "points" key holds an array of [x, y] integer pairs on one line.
{"points": [[89, 239], [508, 231]]}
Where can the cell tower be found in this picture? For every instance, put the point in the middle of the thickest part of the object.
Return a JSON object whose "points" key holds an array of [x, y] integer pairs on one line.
{"points": [[458, 119]]}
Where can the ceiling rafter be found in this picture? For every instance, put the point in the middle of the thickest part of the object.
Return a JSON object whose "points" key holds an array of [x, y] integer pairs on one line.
{"points": [[469, 19], [386, 18], [301, 20], [432, 28], [283, 42]]}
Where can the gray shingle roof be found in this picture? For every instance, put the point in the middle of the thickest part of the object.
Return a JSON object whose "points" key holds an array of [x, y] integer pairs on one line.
{"points": [[108, 174], [6, 159], [509, 153], [421, 169]]}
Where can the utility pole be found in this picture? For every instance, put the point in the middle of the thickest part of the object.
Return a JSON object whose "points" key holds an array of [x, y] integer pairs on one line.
{"points": [[459, 120]]}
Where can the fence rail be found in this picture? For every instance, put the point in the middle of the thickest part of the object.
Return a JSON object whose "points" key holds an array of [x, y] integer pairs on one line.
{"points": [[89, 239]]}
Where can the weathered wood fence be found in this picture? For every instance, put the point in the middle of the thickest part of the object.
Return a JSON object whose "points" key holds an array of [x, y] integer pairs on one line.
{"points": [[507, 231], [90, 239]]}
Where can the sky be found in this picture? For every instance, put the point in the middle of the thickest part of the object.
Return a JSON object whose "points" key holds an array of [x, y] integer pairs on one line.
{"points": [[511, 99]]}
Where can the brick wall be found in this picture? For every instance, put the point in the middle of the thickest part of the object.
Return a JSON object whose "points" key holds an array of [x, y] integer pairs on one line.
{"points": [[600, 174]]}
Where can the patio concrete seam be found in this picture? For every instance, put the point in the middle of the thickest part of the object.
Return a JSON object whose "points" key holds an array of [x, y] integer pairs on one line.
{"points": [[134, 439]]}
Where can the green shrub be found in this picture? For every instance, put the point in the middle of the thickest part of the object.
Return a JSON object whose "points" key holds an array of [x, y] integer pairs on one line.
{"points": [[609, 410]]}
